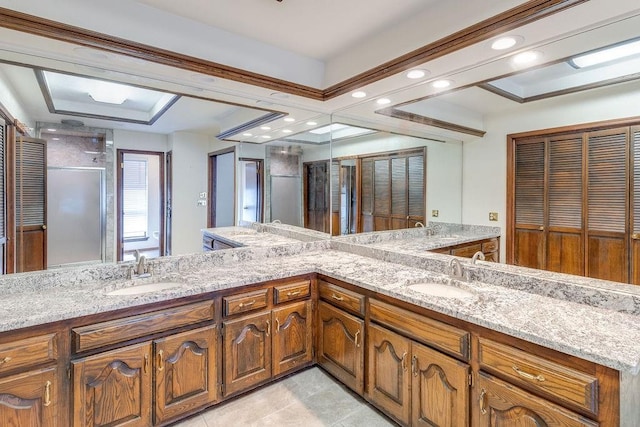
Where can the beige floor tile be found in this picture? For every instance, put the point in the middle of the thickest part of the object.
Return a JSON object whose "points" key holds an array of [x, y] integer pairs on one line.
{"points": [[365, 416], [197, 421]]}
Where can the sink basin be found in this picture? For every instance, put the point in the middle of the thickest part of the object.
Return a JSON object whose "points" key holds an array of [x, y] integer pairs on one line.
{"points": [[145, 289], [440, 290]]}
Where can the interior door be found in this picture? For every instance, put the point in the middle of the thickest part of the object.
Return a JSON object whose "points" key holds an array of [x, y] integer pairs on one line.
{"points": [[169, 201], [31, 204], [251, 190]]}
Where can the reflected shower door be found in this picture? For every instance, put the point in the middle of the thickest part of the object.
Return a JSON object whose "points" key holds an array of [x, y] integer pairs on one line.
{"points": [[75, 216]]}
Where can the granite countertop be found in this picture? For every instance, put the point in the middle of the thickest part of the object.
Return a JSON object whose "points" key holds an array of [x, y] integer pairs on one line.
{"points": [[603, 335], [242, 236]]}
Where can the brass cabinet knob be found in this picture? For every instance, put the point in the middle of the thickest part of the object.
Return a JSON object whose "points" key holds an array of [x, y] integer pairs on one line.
{"points": [[44, 227]]}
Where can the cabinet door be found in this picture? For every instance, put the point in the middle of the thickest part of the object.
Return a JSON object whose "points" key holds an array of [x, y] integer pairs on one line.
{"points": [[388, 378], [340, 350], [439, 389], [292, 336], [29, 399], [246, 352], [185, 369], [500, 404], [113, 388]]}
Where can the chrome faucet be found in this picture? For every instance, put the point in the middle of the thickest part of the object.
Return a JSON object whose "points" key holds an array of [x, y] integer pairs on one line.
{"points": [[419, 224], [455, 269], [276, 221], [141, 269], [477, 256]]}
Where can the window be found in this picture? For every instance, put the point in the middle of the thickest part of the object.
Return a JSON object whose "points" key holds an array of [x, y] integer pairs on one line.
{"points": [[135, 199]]}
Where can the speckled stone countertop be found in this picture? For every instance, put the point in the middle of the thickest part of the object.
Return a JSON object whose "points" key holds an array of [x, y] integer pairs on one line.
{"points": [[241, 236], [603, 333]]}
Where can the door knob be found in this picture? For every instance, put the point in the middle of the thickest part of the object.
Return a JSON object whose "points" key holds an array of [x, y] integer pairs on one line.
{"points": [[44, 227]]}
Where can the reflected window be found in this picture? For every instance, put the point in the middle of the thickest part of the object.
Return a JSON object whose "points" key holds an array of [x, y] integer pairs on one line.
{"points": [[135, 199]]}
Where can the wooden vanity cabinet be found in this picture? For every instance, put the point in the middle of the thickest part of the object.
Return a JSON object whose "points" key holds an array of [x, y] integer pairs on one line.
{"points": [[489, 247], [30, 388], [500, 404], [246, 352], [185, 367], [340, 345], [413, 383], [30, 399], [113, 388], [271, 342]]}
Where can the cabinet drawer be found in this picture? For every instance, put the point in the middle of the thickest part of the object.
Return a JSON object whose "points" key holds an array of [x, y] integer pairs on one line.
{"points": [[119, 330], [431, 332], [492, 257], [557, 380], [342, 298], [247, 301], [490, 246], [28, 352], [291, 291], [467, 251]]}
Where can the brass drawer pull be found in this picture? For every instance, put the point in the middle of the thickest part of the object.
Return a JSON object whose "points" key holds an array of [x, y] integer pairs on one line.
{"points": [[404, 361], [293, 294], [160, 360], [247, 304], [277, 325], [268, 328], [356, 338], [336, 297], [414, 365], [5, 360], [483, 404], [527, 375], [145, 367], [47, 394]]}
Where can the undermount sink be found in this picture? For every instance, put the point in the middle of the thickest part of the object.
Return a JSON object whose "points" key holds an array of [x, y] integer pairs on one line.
{"points": [[145, 289], [440, 290]]}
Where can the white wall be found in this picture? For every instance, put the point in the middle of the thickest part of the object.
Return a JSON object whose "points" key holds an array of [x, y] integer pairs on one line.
{"points": [[485, 159], [225, 190], [9, 99], [189, 180]]}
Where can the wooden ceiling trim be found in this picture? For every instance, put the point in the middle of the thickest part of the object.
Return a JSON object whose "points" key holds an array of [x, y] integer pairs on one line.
{"points": [[429, 121], [522, 15], [67, 33], [526, 13]]}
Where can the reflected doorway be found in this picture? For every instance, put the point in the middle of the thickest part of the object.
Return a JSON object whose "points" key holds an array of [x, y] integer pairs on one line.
{"points": [[251, 182], [140, 186], [348, 197], [222, 188]]}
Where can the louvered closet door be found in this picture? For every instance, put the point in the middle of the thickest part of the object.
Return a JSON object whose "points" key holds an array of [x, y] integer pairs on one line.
{"points": [[417, 181], [31, 202], [635, 206], [381, 194], [607, 204], [564, 236], [366, 199], [529, 241], [399, 193]]}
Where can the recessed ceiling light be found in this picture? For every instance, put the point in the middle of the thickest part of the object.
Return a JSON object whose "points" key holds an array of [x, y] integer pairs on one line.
{"points": [[505, 42], [607, 54], [247, 134], [108, 98], [441, 84], [51, 130], [55, 139], [526, 57], [265, 128], [359, 94], [289, 119], [383, 101], [311, 123], [286, 130], [266, 136], [416, 74]]}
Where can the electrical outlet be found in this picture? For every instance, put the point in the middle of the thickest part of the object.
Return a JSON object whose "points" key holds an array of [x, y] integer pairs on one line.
{"points": [[435, 213], [493, 216], [202, 203]]}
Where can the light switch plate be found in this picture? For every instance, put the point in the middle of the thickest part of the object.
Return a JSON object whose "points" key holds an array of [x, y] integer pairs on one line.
{"points": [[203, 195], [202, 203], [435, 213], [493, 216]]}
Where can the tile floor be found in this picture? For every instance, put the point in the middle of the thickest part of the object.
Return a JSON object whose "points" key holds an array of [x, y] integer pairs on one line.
{"points": [[311, 398]]}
